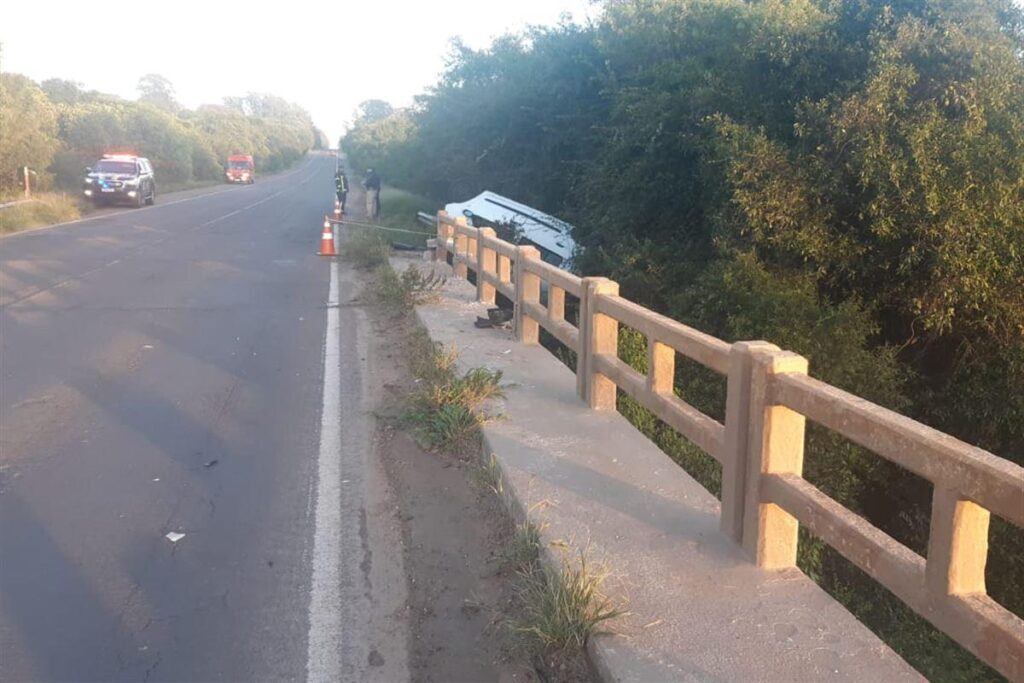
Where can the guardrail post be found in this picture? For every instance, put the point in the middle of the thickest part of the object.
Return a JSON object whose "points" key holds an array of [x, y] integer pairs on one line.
{"points": [[441, 252], [599, 333], [486, 264], [775, 445], [737, 424], [527, 290], [957, 545], [458, 264]]}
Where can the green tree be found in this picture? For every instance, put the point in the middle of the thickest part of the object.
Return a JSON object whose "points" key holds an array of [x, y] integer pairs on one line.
{"points": [[28, 129], [844, 178], [158, 91]]}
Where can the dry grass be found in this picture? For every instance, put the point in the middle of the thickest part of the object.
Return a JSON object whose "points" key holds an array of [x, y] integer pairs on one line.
{"points": [[366, 250], [48, 209], [403, 292], [560, 609], [445, 411]]}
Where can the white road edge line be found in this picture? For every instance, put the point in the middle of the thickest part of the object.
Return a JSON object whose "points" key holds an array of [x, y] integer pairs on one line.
{"points": [[323, 661]]}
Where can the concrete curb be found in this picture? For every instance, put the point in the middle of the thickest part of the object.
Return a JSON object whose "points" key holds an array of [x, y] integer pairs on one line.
{"points": [[700, 611]]}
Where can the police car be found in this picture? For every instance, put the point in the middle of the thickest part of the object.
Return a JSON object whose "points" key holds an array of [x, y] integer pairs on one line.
{"points": [[120, 178]]}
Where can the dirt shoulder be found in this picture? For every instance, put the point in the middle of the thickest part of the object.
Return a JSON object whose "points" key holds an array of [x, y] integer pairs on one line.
{"points": [[456, 535], [455, 530], [452, 535]]}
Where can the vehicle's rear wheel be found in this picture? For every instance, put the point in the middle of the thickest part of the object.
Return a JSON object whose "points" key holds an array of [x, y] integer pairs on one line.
{"points": [[139, 200], [152, 196]]}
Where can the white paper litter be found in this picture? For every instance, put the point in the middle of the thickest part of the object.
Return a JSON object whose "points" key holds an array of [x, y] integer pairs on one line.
{"points": [[174, 536], [147, 346]]}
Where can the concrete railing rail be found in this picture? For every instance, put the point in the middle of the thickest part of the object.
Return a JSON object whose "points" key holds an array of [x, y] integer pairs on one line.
{"points": [[769, 397]]}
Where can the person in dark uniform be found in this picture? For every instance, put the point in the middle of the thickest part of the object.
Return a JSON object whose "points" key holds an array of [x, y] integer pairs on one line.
{"points": [[341, 187]]}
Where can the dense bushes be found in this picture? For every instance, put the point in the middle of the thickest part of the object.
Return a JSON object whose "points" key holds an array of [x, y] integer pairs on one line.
{"points": [[58, 129], [843, 178]]}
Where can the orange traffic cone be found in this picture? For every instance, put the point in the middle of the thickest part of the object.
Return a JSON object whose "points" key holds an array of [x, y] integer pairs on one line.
{"points": [[327, 240]]}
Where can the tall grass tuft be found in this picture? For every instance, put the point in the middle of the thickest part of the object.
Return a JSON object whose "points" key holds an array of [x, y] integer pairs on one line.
{"points": [[398, 210], [560, 609], [445, 410], [404, 291], [366, 250], [47, 209]]}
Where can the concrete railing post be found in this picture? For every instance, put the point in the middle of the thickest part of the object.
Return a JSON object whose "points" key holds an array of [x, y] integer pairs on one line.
{"points": [[661, 367], [504, 269], [527, 290], [957, 545], [459, 265], [737, 425], [599, 333], [442, 242], [775, 445], [472, 249], [486, 263], [556, 303]]}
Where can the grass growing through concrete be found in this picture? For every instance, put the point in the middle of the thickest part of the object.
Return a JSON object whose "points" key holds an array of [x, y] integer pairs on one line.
{"points": [[488, 476], [48, 209], [560, 609], [522, 551], [445, 411]]}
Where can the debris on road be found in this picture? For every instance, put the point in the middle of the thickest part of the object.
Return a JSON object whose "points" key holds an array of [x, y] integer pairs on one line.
{"points": [[174, 536], [210, 463]]}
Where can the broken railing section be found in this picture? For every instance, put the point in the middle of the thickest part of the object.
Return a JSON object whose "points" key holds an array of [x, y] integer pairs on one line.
{"points": [[761, 445]]}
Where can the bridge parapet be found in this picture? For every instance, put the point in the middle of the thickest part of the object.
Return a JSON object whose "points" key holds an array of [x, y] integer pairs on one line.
{"points": [[760, 445]]}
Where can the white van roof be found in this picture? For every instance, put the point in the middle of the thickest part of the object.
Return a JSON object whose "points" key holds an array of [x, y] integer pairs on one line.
{"points": [[542, 229]]}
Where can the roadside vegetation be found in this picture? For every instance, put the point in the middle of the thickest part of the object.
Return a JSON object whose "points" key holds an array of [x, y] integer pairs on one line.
{"points": [[446, 411], [46, 209], [843, 179], [398, 211], [553, 610], [57, 129], [365, 249]]}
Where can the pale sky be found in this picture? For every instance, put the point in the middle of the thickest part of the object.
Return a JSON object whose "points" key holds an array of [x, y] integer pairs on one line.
{"points": [[325, 56]]}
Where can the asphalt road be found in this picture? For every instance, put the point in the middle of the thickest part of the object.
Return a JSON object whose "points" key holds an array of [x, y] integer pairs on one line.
{"points": [[161, 370]]}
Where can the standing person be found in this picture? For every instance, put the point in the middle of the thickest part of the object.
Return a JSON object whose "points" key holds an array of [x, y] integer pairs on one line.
{"points": [[372, 184], [341, 187]]}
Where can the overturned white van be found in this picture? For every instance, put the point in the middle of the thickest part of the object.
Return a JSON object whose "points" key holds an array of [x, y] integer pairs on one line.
{"points": [[521, 224]]}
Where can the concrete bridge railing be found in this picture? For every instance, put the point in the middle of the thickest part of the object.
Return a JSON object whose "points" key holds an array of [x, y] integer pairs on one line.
{"points": [[760, 447]]}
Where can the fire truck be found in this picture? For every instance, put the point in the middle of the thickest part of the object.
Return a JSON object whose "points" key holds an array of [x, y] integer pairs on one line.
{"points": [[240, 169]]}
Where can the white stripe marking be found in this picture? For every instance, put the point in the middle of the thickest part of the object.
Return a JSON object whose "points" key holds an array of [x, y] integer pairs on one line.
{"points": [[323, 661]]}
